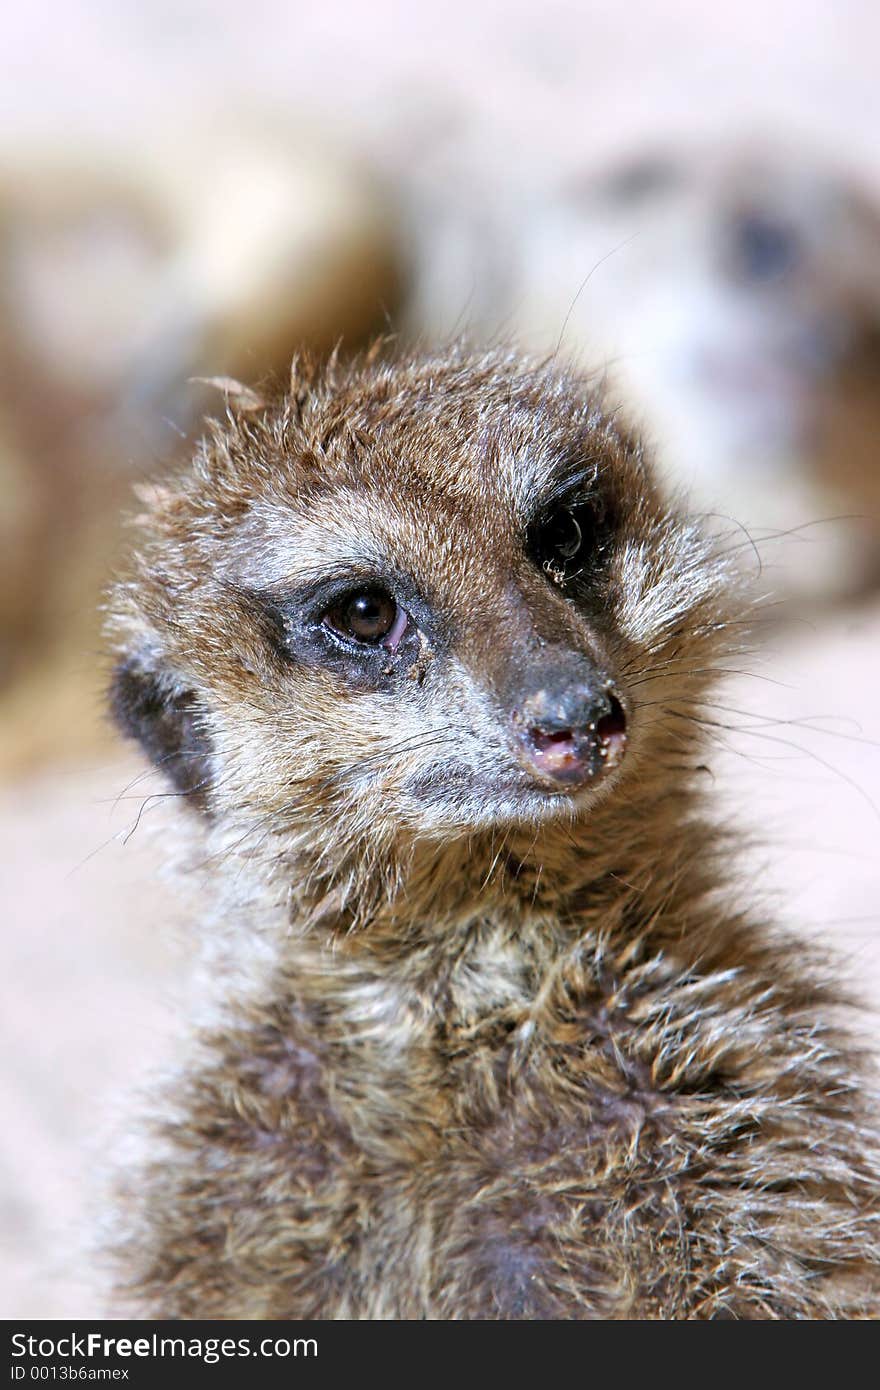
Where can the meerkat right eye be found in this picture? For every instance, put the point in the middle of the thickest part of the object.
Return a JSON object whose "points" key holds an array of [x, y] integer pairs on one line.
{"points": [[370, 616]]}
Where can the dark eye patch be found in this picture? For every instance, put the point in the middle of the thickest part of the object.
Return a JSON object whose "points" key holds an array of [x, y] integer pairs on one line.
{"points": [[763, 247], [356, 628], [633, 182], [569, 537]]}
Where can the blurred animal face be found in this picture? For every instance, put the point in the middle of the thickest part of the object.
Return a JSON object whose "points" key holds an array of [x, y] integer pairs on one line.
{"points": [[418, 598], [728, 287]]}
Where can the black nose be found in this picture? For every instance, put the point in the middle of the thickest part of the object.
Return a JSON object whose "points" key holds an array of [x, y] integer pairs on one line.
{"points": [[571, 735]]}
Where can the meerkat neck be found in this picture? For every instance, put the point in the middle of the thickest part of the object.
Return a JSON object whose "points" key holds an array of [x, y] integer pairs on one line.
{"points": [[481, 931], [432, 897]]}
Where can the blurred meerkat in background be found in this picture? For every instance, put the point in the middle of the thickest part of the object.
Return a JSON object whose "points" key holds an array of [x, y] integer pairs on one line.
{"points": [[121, 279], [734, 296]]}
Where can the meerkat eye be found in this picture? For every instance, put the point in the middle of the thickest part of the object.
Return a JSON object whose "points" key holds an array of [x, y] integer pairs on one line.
{"points": [[370, 616], [562, 535], [764, 248], [570, 538]]}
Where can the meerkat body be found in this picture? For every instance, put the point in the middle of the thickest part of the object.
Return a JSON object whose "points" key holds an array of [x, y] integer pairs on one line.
{"points": [[427, 656]]}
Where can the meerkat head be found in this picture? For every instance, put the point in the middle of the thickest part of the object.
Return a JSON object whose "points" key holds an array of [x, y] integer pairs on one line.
{"points": [[419, 598]]}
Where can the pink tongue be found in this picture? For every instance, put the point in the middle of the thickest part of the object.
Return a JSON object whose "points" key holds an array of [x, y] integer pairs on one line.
{"points": [[542, 740], [554, 751]]}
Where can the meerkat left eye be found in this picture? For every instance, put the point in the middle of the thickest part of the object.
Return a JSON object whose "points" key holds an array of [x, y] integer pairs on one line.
{"points": [[563, 535], [369, 616]]}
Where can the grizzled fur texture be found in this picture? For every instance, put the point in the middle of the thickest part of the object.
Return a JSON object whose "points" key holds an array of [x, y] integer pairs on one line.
{"points": [[485, 1040]]}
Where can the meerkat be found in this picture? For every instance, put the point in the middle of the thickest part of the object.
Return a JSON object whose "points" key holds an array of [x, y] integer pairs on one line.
{"points": [[423, 656]]}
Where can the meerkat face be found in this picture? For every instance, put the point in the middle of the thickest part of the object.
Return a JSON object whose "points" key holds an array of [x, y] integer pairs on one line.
{"points": [[416, 595]]}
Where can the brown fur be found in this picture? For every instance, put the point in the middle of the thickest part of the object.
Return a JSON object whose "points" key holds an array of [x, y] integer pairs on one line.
{"points": [[472, 1049]]}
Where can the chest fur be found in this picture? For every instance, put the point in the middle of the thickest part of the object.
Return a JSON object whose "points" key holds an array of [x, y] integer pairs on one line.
{"points": [[553, 1144]]}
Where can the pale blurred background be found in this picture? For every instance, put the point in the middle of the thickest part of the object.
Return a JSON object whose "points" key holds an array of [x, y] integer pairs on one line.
{"points": [[685, 197]]}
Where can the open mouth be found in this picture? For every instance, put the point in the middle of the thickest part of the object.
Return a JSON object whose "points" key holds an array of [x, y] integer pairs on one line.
{"points": [[574, 756]]}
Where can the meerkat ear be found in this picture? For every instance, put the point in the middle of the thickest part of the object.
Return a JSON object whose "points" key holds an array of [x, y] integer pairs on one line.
{"points": [[164, 717]]}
